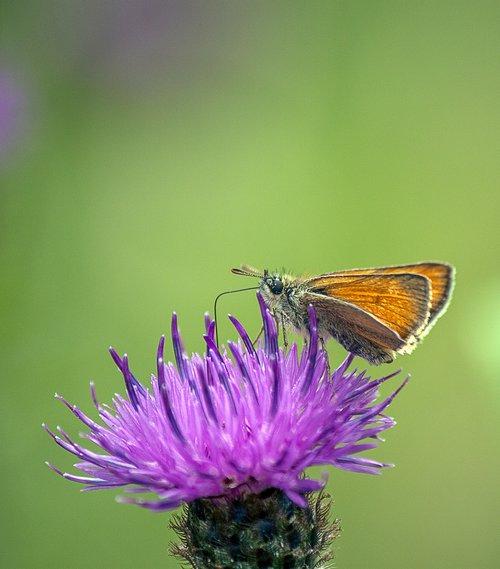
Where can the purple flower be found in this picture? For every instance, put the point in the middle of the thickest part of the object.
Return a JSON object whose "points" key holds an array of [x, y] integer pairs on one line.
{"points": [[216, 426]]}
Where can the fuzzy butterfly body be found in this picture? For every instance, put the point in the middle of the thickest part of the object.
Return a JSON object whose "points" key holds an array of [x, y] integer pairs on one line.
{"points": [[373, 313]]}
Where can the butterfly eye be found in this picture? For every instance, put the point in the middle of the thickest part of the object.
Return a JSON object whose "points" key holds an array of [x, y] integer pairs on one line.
{"points": [[275, 286]]}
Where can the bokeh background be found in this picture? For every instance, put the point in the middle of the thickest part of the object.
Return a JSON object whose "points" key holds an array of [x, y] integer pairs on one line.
{"points": [[148, 147]]}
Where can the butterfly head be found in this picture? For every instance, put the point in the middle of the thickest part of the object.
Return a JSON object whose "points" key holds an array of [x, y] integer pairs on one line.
{"points": [[276, 288], [271, 284]]}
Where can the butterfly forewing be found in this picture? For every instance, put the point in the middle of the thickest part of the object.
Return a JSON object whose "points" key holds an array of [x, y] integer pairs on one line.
{"points": [[441, 276], [400, 302]]}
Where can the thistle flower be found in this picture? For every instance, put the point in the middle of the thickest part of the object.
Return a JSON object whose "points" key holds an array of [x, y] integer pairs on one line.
{"points": [[214, 430]]}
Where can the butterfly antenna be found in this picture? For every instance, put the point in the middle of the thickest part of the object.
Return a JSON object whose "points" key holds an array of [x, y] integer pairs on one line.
{"points": [[215, 306]]}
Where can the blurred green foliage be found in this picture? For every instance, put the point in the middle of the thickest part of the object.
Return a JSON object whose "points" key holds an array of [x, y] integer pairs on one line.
{"points": [[161, 144]]}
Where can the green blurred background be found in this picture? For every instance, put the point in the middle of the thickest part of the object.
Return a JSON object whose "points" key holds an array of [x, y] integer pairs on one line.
{"points": [[148, 147]]}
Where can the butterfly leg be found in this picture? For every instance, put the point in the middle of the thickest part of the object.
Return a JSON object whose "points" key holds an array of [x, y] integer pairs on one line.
{"points": [[254, 343], [323, 347], [285, 341]]}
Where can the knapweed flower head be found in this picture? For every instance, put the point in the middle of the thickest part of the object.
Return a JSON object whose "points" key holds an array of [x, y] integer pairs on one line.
{"points": [[215, 425]]}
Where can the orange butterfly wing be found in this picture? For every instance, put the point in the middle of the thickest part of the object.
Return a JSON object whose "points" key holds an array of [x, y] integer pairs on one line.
{"points": [[400, 301], [441, 276]]}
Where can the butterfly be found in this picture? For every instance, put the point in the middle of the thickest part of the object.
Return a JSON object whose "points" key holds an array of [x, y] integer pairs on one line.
{"points": [[373, 313]]}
